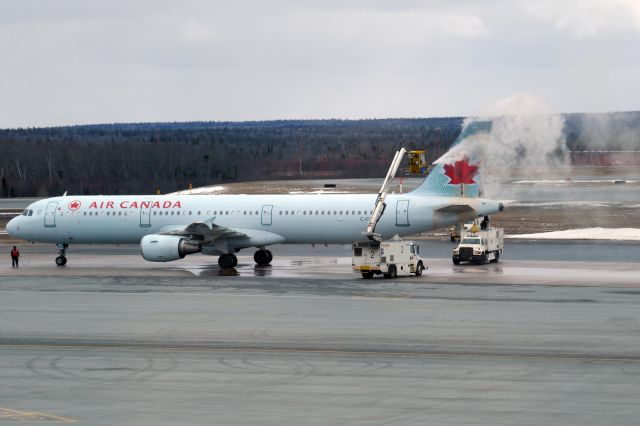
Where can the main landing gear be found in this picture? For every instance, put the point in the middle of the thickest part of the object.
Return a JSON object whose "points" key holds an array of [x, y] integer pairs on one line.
{"points": [[227, 260], [263, 257], [61, 260]]}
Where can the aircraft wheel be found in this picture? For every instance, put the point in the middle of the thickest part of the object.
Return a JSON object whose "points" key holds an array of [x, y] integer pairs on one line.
{"points": [[227, 260], [262, 257], [61, 260]]}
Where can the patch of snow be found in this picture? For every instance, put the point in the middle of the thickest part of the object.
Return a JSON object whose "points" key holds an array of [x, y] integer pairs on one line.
{"points": [[320, 191], [568, 182], [201, 190], [564, 204], [632, 234]]}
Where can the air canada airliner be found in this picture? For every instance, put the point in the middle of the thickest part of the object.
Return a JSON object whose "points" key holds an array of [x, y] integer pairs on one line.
{"points": [[170, 227]]}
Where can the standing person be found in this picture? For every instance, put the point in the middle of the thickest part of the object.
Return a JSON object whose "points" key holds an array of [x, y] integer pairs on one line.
{"points": [[15, 254]]}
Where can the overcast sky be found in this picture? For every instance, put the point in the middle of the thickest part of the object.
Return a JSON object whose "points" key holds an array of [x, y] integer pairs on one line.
{"points": [[81, 61]]}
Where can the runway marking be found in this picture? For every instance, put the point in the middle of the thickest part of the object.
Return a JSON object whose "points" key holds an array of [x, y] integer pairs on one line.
{"points": [[326, 351], [9, 415]]}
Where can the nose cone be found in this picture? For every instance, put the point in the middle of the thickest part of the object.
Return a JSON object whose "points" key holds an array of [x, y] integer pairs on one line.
{"points": [[12, 226]]}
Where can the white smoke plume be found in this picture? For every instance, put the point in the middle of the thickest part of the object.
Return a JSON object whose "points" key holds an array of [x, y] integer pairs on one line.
{"points": [[526, 139]]}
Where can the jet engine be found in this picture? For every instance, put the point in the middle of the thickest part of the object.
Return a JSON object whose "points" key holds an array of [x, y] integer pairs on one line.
{"points": [[165, 248]]}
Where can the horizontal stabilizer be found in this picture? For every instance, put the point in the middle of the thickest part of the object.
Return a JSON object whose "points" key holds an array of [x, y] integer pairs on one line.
{"points": [[455, 208]]}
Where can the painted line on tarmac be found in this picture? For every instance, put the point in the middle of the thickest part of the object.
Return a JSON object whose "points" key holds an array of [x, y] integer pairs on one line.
{"points": [[10, 415]]}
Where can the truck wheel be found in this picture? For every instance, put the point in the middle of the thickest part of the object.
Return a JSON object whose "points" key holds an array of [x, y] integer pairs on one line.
{"points": [[367, 275], [495, 260], [393, 272], [419, 269], [456, 260]]}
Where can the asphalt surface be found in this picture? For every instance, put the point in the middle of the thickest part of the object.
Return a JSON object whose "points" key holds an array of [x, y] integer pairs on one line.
{"points": [[111, 339]]}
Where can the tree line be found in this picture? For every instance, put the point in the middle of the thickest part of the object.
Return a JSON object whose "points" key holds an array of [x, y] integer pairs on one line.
{"points": [[144, 157]]}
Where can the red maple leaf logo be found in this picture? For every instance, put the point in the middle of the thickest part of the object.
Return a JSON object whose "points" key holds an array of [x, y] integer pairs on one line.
{"points": [[461, 172], [74, 205]]}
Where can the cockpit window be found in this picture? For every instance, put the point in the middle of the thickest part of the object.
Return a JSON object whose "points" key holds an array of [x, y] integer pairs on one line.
{"points": [[24, 213], [30, 212]]}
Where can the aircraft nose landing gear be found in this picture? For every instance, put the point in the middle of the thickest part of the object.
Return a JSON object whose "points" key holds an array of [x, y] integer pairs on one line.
{"points": [[263, 257], [61, 260]]}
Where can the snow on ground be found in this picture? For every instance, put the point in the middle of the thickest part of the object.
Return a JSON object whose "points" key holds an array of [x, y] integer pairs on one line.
{"points": [[202, 190], [571, 181], [585, 234], [320, 191]]}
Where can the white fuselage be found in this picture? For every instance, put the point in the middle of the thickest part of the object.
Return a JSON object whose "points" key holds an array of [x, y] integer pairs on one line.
{"points": [[300, 218]]}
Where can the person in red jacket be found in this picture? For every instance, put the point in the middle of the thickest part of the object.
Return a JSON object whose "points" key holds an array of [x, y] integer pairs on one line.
{"points": [[15, 254]]}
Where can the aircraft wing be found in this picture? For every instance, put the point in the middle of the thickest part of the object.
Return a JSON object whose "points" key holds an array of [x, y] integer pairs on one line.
{"points": [[208, 233], [202, 231]]}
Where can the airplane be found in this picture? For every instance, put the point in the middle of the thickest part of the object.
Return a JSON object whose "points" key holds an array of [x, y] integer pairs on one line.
{"points": [[170, 227]]}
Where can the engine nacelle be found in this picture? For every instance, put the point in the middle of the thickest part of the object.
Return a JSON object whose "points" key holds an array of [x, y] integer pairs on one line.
{"points": [[165, 248]]}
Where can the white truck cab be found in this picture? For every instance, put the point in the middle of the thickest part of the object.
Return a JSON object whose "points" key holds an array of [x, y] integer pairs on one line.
{"points": [[479, 245], [391, 258]]}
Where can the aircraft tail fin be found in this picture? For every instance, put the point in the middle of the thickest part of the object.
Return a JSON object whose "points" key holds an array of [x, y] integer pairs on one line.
{"points": [[457, 172]]}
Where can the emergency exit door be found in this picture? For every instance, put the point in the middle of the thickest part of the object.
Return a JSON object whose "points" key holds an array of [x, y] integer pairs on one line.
{"points": [[402, 213], [266, 214], [145, 216]]}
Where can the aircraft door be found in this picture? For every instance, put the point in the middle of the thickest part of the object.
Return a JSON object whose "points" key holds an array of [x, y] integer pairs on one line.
{"points": [[266, 214], [50, 214], [402, 213], [145, 216]]}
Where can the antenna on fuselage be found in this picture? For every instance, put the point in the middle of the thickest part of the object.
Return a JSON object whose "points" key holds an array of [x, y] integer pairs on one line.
{"points": [[65, 194]]}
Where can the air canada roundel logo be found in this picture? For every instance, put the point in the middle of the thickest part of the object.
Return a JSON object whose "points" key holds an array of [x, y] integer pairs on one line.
{"points": [[74, 205]]}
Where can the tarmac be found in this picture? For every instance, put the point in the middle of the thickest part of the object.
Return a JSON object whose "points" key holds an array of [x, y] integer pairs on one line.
{"points": [[550, 335]]}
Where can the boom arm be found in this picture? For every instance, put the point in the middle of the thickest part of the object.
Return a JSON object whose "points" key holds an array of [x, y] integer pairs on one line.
{"points": [[380, 205]]}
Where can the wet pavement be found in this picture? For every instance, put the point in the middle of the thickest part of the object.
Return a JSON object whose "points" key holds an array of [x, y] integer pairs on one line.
{"points": [[112, 339]]}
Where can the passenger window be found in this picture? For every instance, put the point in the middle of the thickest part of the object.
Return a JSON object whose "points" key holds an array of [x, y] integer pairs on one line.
{"points": [[256, 212], [177, 213], [85, 213], [317, 212], [245, 212], [226, 212], [199, 213], [340, 212], [304, 212], [335, 212], [119, 213], [359, 212], [286, 213]]}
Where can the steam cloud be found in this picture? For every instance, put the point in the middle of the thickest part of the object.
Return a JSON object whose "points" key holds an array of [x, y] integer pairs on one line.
{"points": [[525, 138]]}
